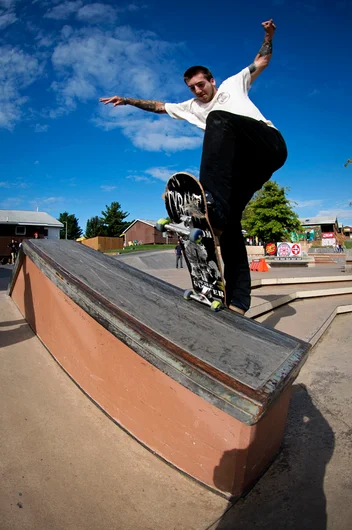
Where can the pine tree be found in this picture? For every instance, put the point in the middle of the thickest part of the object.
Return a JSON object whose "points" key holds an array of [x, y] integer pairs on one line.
{"points": [[73, 229], [113, 220], [95, 227]]}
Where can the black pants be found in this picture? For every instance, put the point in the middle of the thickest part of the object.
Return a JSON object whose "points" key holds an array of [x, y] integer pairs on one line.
{"points": [[239, 155]]}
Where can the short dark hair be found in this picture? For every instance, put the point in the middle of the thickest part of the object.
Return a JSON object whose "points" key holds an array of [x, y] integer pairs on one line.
{"points": [[194, 70]]}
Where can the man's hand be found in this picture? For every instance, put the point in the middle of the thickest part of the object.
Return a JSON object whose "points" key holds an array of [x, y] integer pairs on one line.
{"points": [[116, 100], [269, 28], [145, 104], [263, 57]]}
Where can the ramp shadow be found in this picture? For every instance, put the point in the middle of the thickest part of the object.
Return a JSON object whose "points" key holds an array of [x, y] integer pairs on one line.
{"points": [[5, 277], [29, 312], [290, 495], [278, 314]]}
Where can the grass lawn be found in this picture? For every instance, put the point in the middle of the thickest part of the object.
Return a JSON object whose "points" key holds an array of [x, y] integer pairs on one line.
{"points": [[139, 248]]}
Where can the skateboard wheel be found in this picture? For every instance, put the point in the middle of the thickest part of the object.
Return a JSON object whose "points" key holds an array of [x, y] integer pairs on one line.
{"points": [[187, 294], [160, 225], [196, 235], [215, 306]]}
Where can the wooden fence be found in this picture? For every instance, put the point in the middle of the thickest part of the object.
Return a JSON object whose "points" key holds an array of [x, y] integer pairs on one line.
{"points": [[104, 243]]}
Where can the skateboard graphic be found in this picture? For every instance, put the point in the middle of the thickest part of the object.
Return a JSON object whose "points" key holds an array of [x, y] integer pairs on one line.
{"points": [[186, 206]]}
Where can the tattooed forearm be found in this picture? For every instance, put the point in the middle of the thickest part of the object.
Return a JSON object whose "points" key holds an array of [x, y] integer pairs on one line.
{"points": [[146, 104], [267, 47]]}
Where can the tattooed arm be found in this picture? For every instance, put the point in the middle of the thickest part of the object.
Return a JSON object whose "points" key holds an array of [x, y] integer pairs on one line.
{"points": [[263, 57], [145, 104]]}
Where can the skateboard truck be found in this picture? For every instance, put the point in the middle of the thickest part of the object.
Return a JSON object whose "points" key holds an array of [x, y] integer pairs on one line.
{"points": [[194, 234], [215, 305]]}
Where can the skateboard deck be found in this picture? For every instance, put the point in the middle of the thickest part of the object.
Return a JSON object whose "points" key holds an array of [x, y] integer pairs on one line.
{"points": [[186, 206]]}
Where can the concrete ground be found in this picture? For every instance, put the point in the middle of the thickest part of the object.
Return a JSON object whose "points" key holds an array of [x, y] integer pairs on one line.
{"points": [[65, 465]]}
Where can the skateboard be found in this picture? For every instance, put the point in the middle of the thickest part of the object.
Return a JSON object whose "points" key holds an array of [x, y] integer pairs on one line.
{"points": [[186, 206]]}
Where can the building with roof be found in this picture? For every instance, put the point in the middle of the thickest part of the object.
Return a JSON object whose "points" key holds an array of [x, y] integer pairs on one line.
{"points": [[143, 231], [326, 223], [323, 228], [23, 224]]}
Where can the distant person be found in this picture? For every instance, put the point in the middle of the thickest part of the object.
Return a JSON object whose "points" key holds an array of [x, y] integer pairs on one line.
{"points": [[241, 148], [13, 246], [178, 253]]}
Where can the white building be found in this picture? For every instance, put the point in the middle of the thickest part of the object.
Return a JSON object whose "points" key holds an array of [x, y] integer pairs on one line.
{"points": [[22, 224]]}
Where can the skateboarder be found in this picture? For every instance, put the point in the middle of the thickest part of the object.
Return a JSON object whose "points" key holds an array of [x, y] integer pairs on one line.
{"points": [[241, 151]]}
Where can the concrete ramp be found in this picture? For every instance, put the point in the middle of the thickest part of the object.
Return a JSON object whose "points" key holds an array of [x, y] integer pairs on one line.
{"points": [[207, 392], [158, 260]]}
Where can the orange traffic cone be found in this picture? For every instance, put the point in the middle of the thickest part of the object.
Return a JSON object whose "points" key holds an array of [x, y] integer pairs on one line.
{"points": [[262, 266], [254, 265]]}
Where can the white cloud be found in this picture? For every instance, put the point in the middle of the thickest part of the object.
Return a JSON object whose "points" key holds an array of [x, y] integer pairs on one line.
{"points": [[14, 184], [108, 188], [161, 134], [8, 4], [36, 162], [89, 63], [40, 128], [133, 62], [7, 14], [97, 12], [161, 173], [17, 71], [45, 202], [92, 64], [52, 199], [11, 202], [19, 184], [313, 203], [7, 19], [64, 10], [138, 178], [45, 41], [340, 213]]}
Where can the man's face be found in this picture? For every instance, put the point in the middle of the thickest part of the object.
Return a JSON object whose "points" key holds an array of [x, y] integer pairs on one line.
{"points": [[201, 88]]}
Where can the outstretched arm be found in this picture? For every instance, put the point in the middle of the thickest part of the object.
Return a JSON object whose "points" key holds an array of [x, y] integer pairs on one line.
{"points": [[145, 104], [263, 57]]}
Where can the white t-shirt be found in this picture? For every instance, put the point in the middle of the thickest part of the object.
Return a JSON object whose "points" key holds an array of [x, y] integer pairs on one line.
{"points": [[232, 96]]}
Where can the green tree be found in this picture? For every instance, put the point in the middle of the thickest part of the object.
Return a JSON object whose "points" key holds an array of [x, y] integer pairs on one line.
{"points": [[95, 227], [113, 219], [73, 229], [269, 215]]}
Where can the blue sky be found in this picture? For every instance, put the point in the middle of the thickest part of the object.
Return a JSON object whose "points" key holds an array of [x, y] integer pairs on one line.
{"points": [[62, 150]]}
